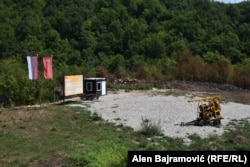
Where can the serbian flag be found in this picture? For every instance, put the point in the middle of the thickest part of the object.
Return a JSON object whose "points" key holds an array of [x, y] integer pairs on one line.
{"points": [[32, 67], [47, 64]]}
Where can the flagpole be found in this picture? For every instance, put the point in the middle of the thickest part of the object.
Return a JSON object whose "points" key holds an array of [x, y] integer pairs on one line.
{"points": [[53, 79], [39, 87]]}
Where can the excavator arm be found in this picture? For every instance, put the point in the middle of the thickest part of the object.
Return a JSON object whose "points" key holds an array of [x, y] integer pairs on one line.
{"points": [[205, 99]]}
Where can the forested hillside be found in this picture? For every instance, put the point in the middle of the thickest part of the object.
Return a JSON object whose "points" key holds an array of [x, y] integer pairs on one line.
{"points": [[196, 40]]}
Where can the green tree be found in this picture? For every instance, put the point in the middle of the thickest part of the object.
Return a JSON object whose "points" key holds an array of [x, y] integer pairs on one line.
{"points": [[84, 35], [153, 46], [211, 57], [244, 33], [116, 63], [15, 88]]}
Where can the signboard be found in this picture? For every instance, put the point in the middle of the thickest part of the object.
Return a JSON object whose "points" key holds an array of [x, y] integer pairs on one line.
{"points": [[73, 85]]}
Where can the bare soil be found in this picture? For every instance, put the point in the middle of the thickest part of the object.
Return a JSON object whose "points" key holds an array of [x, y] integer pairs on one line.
{"points": [[228, 92]]}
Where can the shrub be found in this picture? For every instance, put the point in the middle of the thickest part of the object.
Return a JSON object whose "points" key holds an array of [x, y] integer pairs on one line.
{"points": [[149, 128], [96, 117]]}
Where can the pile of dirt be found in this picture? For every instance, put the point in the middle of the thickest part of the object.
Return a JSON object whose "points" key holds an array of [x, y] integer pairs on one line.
{"points": [[204, 86], [229, 92]]}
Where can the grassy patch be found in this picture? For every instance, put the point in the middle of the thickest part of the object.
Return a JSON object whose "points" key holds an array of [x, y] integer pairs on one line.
{"points": [[71, 136], [103, 153], [59, 135], [235, 138]]}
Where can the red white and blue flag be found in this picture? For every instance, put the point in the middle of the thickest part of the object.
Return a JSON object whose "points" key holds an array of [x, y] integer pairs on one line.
{"points": [[33, 67]]}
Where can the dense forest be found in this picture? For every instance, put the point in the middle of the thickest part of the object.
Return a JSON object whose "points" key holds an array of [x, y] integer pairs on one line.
{"points": [[195, 40]]}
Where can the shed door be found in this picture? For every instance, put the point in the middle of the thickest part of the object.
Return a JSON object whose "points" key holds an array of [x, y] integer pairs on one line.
{"points": [[103, 87], [99, 88]]}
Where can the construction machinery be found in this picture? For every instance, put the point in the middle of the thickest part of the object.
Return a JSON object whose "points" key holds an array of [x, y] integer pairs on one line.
{"points": [[208, 111]]}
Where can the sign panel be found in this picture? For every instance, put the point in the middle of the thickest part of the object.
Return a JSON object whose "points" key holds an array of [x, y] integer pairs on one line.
{"points": [[73, 85]]}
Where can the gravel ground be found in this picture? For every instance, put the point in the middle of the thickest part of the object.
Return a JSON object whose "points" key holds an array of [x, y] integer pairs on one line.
{"points": [[128, 108]]}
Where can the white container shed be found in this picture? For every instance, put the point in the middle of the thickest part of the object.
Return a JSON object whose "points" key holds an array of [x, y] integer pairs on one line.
{"points": [[95, 86]]}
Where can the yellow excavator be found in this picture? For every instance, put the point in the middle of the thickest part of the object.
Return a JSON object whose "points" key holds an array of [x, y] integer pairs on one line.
{"points": [[208, 112]]}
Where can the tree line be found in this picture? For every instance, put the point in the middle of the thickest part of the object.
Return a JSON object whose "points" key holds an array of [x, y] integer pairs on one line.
{"points": [[196, 40]]}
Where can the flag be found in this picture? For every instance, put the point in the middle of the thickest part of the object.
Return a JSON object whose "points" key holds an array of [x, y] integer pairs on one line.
{"points": [[32, 67], [48, 71]]}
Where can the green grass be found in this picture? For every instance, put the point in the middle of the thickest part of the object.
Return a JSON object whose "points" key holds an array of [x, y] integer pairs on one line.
{"points": [[71, 136]]}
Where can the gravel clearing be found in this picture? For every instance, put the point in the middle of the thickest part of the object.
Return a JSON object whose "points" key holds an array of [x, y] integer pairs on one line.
{"points": [[128, 109]]}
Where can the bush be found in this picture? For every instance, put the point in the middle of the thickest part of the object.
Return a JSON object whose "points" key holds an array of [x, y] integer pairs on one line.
{"points": [[95, 117], [149, 128]]}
